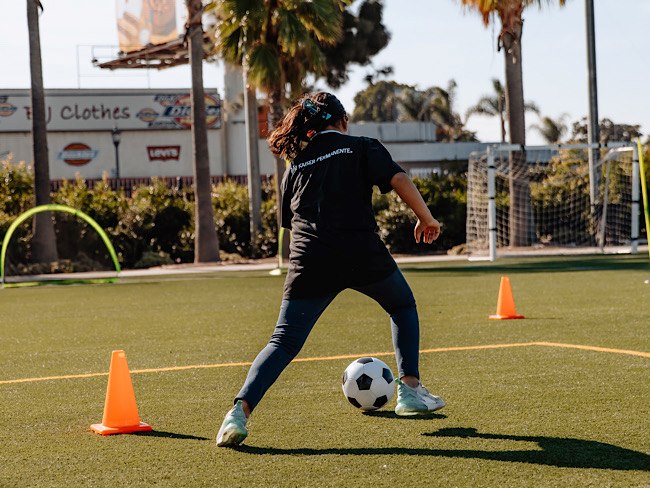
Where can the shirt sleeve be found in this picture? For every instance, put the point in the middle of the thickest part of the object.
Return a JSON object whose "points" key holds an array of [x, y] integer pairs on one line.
{"points": [[381, 167], [285, 210]]}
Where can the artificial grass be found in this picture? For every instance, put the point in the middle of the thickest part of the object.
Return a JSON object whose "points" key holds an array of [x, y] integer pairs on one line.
{"points": [[525, 416]]}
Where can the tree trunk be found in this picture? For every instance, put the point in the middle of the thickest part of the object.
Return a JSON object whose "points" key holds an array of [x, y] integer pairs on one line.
{"points": [[253, 163], [44, 240], [502, 119], [520, 204], [206, 242], [275, 116]]}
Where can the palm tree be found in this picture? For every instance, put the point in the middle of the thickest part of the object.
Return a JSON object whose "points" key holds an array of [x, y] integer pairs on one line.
{"points": [[494, 105], [450, 126], [552, 130], [206, 242], [279, 44], [380, 102], [44, 240], [510, 13], [437, 105]]}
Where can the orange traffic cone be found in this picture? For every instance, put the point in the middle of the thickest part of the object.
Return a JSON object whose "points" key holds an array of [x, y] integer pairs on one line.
{"points": [[120, 409], [505, 302]]}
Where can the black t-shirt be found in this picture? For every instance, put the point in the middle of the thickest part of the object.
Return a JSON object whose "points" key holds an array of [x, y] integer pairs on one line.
{"points": [[327, 204]]}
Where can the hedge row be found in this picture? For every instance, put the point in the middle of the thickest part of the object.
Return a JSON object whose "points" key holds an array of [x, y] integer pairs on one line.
{"points": [[155, 224]]}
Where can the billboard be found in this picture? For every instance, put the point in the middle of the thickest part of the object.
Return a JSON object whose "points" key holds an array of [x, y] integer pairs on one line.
{"points": [[144, 22], [89, 110]]}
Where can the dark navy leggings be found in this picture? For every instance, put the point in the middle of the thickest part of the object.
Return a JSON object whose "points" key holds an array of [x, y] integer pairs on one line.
{"points": [[298, 316]]}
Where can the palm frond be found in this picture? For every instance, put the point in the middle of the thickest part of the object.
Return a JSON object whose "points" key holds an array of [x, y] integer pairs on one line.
{"points": [[263, 62], [291, 31], [322, 17]]}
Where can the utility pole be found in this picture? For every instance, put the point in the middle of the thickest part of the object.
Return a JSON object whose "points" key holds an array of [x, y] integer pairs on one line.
{"points": [[592, 127]]}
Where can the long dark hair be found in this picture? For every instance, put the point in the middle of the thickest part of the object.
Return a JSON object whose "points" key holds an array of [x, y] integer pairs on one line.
{"points": [[308, 116]]}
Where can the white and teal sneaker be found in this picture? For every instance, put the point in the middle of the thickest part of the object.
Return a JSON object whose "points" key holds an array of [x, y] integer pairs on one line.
{"points": [[233, 429], [416, 401]]}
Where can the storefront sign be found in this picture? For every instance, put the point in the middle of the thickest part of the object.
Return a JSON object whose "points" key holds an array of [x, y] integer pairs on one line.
{"points": [[164, 153], [77, 154], [84, 110]]}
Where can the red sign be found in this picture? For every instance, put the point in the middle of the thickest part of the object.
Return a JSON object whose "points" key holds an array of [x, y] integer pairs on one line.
{"points": [[77, 154], [164, 153]]}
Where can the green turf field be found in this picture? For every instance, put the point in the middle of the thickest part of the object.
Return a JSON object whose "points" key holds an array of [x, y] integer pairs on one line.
{"points": [[542, 414]]}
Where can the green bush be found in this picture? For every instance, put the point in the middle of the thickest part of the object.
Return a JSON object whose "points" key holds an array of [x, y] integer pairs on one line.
{"points": [[74, 235], [150, 259], [16, 197], [156, 219], [155, 225], [232, 218], [446, 197]]}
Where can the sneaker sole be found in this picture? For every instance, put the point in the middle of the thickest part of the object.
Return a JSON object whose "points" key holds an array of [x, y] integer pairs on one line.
{"points": [[232, 438], [412, 413]]}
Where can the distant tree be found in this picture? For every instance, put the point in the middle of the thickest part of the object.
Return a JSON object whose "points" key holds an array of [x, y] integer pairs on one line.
{"points": [[436, 105], [44, 239], [373, 76], [416, 104], [379, 102], [551, 130], [389, 101], [609, 131], [494, 105], [364, 35], [449, 124]]}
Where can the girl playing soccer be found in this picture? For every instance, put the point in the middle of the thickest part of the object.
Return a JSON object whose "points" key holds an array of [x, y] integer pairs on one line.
{"points": [[326, 202]]}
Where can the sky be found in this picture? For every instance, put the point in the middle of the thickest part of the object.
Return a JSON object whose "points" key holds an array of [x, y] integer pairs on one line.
{"points": [[432, 42]]}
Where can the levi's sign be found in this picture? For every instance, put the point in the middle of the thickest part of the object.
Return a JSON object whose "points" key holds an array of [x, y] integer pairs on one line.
{"points": [[164, 153]]}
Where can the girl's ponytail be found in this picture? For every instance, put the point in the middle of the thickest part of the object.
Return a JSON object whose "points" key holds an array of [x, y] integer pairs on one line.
{"points": [[310, 115]]}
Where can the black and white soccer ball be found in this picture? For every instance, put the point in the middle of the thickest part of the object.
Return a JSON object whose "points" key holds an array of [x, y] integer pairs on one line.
{"points": [[368, 383]]}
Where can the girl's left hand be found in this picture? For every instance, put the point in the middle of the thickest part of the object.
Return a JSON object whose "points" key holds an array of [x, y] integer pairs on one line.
{"points": [[427, 232]]}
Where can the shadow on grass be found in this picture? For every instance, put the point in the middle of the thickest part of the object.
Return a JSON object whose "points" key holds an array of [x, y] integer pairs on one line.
{"points": [[553, 451], [170, 435], [540, 265], [392, 415]]}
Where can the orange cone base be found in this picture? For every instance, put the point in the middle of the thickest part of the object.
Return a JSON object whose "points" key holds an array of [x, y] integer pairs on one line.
{"points": [[104, 430], [506, 317]]}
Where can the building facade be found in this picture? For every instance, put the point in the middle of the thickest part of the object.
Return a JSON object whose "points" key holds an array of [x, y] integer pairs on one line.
{"points": [[146, 133]]}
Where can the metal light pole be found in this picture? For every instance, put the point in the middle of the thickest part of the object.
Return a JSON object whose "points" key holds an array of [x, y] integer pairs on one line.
{"points": [[117, 137], [592, 127]]}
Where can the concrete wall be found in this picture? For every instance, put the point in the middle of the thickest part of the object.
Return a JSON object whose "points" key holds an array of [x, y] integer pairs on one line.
{"points": [[135, 159], [396, 132]]}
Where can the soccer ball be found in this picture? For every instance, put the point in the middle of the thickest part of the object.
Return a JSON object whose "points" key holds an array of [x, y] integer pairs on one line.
{"points": [[368, 383]]}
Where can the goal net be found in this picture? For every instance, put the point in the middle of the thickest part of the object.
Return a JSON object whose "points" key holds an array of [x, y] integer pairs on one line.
{"points": [[543, 199]]}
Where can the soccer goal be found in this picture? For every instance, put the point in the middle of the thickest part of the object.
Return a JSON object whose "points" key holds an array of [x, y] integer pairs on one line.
{"points": [[541, 198]]}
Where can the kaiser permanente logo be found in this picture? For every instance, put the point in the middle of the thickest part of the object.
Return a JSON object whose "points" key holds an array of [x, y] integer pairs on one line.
{"points": [[305, 164]]}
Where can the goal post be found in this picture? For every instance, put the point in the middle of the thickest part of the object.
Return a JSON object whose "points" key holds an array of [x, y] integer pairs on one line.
{"points": [[644, 190], [556, 211]]}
